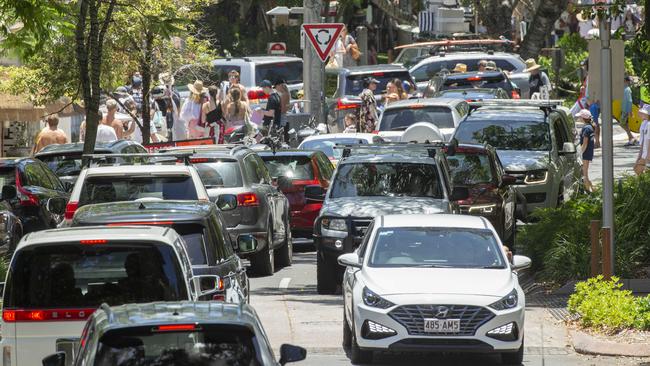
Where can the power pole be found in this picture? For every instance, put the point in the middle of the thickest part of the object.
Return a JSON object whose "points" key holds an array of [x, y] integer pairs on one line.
{"points": [[312, 75]]}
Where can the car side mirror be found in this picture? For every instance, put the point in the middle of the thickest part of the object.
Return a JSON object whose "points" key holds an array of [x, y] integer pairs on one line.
{"points": [[315, 193], [246, 244], [9, 192], [568, 148], [56, 205], [290, 353], [227, 202], [207, 284], [459, 193], [508, 180], [349, 260], [55, 359], [520, 262]]}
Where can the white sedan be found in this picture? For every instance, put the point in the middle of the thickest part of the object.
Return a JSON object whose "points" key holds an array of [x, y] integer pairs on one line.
{"points": [[432, 283], [327, 142]]}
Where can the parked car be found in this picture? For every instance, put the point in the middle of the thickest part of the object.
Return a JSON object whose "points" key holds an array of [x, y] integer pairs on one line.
{"points": [[295, 171], [535, 143], [202, 227], [411, 54], [390, 305], [57, 278], [343, 86], [444, 114], [65, 159], [176, 333], [375, 180], [472, 94], [326, 143], [27, 187], [431, 67], [238, 181], [491, 193], [483, 80]]}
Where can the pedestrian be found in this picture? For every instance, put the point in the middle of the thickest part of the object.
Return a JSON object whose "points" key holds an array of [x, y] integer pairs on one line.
{"points": [[626, 110], [136, 91], [346, 50], [482, 65], [171, 107], [234, 81], [105, 133], [299, 106], [459, 68], [213, 114], [394, 91], [594, 108], [273, 113], [285, 103], [191, 111], [491, 66], [118, 125], [51, 134], [350, 123], [586, 145], [537, 78], [236, 111], [368, 112], [644, 135]]}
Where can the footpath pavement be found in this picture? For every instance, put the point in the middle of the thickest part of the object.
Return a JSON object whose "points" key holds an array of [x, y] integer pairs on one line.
{"points": [[624, 157]]}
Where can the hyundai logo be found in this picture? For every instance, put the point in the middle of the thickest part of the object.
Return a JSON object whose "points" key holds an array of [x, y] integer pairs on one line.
{"points": [[442, 312]]}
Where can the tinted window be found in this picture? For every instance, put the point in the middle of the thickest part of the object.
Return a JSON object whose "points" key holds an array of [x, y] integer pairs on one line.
{"points": [[291, 72], [294, 167], [194, 237], [251, 170], [399, 119], [354, 84], [470, 169], [35, 175], [56, 183], [427, 71], [436, 247], [209, 345], [407, 55], [325, 166], [7, 177], [506, 135], [63, 165], [387, 179], [327, 146], [60, 276], [222, 173], [483, 82], [262, 171], [115, 189]]}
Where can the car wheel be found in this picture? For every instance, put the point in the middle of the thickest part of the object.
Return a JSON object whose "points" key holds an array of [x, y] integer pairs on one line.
{"points": [[357, 355], [514, 358], [347, 332], [325, 276], [286, 251], [263, 262]]}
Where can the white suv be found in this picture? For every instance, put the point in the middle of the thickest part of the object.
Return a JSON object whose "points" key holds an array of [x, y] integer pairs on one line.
{"points": [[439, 283], [105, 184], [57, 278]]}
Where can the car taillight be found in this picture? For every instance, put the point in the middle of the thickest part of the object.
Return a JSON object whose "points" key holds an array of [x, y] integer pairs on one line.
{"points": [[176, 328], [220, 297], [25, 198], [256, 94], [248, 199], [342, 105], [515, 95], [376, 132], [305, 182], [70, 209], [51, 315], [93, 241], [138, 223]]}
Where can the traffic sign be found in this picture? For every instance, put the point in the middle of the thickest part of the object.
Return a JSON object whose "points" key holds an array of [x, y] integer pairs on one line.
{"points": [[277, 48], [323, 37]]}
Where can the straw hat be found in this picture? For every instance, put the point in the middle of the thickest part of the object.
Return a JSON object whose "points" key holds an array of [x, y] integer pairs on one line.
{"points": [[460, 68], [532, 65], [196, 88]]}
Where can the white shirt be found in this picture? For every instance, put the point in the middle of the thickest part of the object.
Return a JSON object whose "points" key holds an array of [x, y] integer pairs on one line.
{"points": [[137, 134], [584, 28], [105, 133], [644, 138]]}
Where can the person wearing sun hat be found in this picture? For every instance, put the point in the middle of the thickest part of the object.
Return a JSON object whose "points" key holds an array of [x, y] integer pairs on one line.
{"points": [[586, 144], [644, 137], [460, 67], [191, 113], [538, 78]]}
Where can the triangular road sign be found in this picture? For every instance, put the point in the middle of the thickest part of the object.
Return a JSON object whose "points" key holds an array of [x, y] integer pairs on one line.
{"points": [[323, 37]]}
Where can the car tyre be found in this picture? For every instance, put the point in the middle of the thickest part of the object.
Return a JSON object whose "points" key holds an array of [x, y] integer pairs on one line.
{"points": [[285, 253], [514, 358], [347, 332], [325, 276], [263, 262], [357, 355]]}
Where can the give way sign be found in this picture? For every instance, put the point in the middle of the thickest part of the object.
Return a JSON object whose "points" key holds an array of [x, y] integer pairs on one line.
{"points": [[323, 37]]}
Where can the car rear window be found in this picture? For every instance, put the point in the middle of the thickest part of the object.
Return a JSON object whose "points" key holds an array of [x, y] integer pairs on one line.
{"points": [[207, 344], [220, 173], [194, 237], [7, 177], [399, 119], [291, 72], [354, 84], [102, 189], [470, 168], [477, 82], [78, 275], [294, 167]]}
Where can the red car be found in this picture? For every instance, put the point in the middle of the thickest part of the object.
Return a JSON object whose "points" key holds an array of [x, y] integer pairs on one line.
{"points": [[294, 171]]}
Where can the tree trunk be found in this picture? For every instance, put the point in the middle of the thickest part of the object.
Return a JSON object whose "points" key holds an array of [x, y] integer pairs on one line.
{"points": [[145, 66], [541, 27], [496, 16]]}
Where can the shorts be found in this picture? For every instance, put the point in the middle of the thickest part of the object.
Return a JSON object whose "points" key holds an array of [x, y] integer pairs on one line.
{"points": [[588, 155], [624, 119]]}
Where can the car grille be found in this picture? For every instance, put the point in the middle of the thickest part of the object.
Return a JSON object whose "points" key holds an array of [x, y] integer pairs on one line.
{"points": [[520, 177], [412, 318]]}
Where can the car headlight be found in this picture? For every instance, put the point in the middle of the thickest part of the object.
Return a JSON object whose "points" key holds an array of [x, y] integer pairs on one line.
{"points": [[483, 209], [334, 224], [507, 302], [372, 299], [536, 176]]}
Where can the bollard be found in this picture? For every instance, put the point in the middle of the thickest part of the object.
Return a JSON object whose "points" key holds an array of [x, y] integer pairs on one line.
{"points": [[595, 248], [607, 253]]}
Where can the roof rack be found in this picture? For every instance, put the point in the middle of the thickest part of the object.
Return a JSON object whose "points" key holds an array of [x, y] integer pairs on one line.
{"points": [[546, 105], [207, 148], [109, 312], [457, 43], [103, 159], [391, 148]]}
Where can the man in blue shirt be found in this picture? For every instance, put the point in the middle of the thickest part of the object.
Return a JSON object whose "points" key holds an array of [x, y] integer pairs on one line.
{"points": [[626, 111]]}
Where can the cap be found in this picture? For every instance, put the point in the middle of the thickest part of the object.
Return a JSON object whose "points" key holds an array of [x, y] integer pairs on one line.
{"points": [[584, 113], [265, 84]]}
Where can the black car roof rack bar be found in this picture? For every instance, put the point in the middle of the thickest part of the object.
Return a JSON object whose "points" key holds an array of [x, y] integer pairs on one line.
{"points": [[390, 147], [159, 158], [551, 103]]}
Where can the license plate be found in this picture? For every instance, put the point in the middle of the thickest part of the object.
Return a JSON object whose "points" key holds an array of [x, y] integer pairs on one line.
{"points": [[441, 325]]}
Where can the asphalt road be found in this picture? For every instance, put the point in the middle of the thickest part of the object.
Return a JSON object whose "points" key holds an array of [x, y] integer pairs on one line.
{"points": [[292, 312]]}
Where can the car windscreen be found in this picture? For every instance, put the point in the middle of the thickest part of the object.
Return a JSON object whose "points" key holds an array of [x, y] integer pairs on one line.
{"points": [[102, 189], [82, 275], [205, 345], [399, 119], [327, 146], [477, 82], [506, 134], [354, 84], [290, 72], [386, 179], [220, 173], [469, 168], [293, 167], [436, 248]]}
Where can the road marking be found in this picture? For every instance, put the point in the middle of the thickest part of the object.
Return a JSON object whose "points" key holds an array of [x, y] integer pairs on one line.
{"points": [[284, 283]]}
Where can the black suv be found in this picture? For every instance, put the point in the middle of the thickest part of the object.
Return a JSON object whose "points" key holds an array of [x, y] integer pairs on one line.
{"points": [[65, 159], [27, 187], [468, 80], [202, 228]]}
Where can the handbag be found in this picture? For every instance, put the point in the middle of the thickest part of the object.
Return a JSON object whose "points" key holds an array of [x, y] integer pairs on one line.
{"points": [[355, 52]]}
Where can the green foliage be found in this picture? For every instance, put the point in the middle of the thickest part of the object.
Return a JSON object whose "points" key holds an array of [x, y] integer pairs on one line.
{"points": [[636, 53], [4, 268]]}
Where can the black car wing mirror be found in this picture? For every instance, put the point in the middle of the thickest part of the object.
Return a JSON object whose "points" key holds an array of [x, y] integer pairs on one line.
{"points": [[290, 353], [55, 359], [56, 205], [9, 192], [508, 180], [246, 244]]}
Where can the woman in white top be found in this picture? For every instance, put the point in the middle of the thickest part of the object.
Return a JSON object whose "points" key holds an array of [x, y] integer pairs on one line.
{"points": [[191, 112]]}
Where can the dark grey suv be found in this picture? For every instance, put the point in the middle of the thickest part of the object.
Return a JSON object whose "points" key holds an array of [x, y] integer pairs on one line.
{"points": [[238, 181]]}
